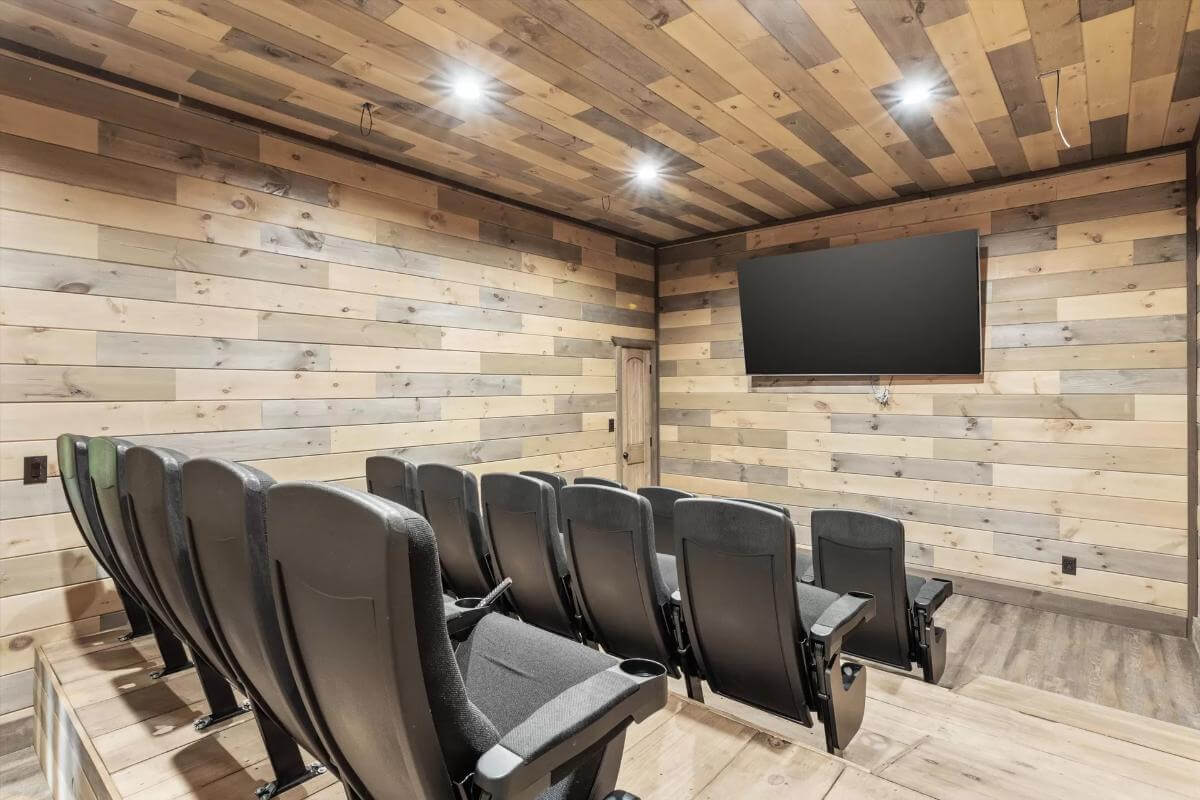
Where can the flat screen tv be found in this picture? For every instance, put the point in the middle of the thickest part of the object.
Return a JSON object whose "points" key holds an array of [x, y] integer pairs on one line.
{"points": [[901, 307]]}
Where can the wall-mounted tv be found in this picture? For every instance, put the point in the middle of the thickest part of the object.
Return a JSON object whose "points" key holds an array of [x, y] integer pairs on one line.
{"points": [[901, 307]]}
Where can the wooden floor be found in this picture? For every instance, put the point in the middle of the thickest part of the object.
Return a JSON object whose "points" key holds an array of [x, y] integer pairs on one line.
{"points": [[1134, 670], [107, 731], [21, 776]]}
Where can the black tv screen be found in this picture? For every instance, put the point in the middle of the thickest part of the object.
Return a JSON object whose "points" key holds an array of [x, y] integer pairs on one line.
{"points": [[901, 307]]}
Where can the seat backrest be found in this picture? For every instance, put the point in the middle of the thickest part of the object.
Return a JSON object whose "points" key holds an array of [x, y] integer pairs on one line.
{"points": [[359, 601], [662, 502], [450, 497], [737, 579], [586, 480], [154, 495], [856, 551], [76, 480], [224, 507], [106, 465], [610, 550], [395, 479], [764, 504], [556, 481], [521, 516]]}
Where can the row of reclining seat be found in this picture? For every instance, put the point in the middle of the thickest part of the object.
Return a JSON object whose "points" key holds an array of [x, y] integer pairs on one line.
{"points": [[587, 561], [276, 590], [854, 551]]}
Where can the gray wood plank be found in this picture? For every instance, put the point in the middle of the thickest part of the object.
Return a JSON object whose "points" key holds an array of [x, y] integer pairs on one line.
{"points": [[432, 384], [917, 468], [149, 350], [364, 411], [25, 269], [1139, 381], [908, 425], [1168, 328]]}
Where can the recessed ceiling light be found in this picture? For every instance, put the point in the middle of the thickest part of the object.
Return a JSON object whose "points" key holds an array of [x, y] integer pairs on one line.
{"points": [[914, 94], [646, 173], [467, 87]]}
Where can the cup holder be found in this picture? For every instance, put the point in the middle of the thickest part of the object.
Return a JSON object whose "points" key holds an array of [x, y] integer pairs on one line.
{"points": [[642, 668], [468, 602]]}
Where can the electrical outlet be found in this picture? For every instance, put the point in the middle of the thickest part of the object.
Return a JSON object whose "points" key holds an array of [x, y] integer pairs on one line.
{"points": [[612, 424], [36, 469], [1068, 565]]}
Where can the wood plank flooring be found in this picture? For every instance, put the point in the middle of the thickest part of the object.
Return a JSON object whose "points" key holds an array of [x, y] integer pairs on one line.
{"points": [[21, 777], [1146, 673], [107, 731]]}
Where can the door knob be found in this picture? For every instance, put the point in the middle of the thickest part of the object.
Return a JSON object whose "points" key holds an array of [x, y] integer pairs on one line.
{"points": [[625, 455]]}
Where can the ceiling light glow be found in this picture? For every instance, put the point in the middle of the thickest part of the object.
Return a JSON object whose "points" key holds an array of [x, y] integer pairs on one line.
{"points": [[467, 87], [914, 94], [647, 172]]}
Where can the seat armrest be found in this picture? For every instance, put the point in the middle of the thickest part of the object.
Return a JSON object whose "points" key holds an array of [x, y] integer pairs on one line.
{"points": [[585, 716], [932, 595], [464, 613], [843, 616], [460, 620]]}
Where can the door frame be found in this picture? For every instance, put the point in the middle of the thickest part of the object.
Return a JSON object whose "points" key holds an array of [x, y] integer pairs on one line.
{"points": [[621, 343]]}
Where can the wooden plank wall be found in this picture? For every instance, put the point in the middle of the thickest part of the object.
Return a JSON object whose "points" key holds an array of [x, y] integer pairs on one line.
{"points": [[179, 280], [1073, 443], [1194, 388]]}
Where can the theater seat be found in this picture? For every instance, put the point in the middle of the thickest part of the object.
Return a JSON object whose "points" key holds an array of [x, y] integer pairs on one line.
{"points": [[395, 479], [77, 488], [757, 635], [556, 481], [450, 497], [153, 493], [622, 586], [106, 459], [521, 520], [589, 481], [516, 712], [853, 550], [662, 503], [224, 508]]}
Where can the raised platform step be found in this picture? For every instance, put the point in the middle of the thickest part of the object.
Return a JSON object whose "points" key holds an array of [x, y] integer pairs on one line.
{"points": [[105, 730], [1111, 722]]}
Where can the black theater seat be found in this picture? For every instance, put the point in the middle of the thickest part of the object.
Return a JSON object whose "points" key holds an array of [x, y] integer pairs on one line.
{"points": [[758, 636], [224, 507], [589, 481], [395, 479], [77, 488], [556, 481], [152, 486], [450, 497], [106, 465], [623, 587], [662, 502], [516, 712], [853, 550], [521, 520]]}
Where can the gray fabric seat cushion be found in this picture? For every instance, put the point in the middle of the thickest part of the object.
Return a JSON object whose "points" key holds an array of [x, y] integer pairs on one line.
{"points": [[669, 572], [510, 669], [813, 600], [804, 567]]}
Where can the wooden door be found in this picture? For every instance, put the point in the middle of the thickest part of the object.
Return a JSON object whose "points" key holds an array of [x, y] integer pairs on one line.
{"points": [[635, 417]]}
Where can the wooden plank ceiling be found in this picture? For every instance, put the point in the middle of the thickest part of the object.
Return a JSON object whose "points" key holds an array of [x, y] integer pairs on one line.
{"points": [[753, 109]]}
